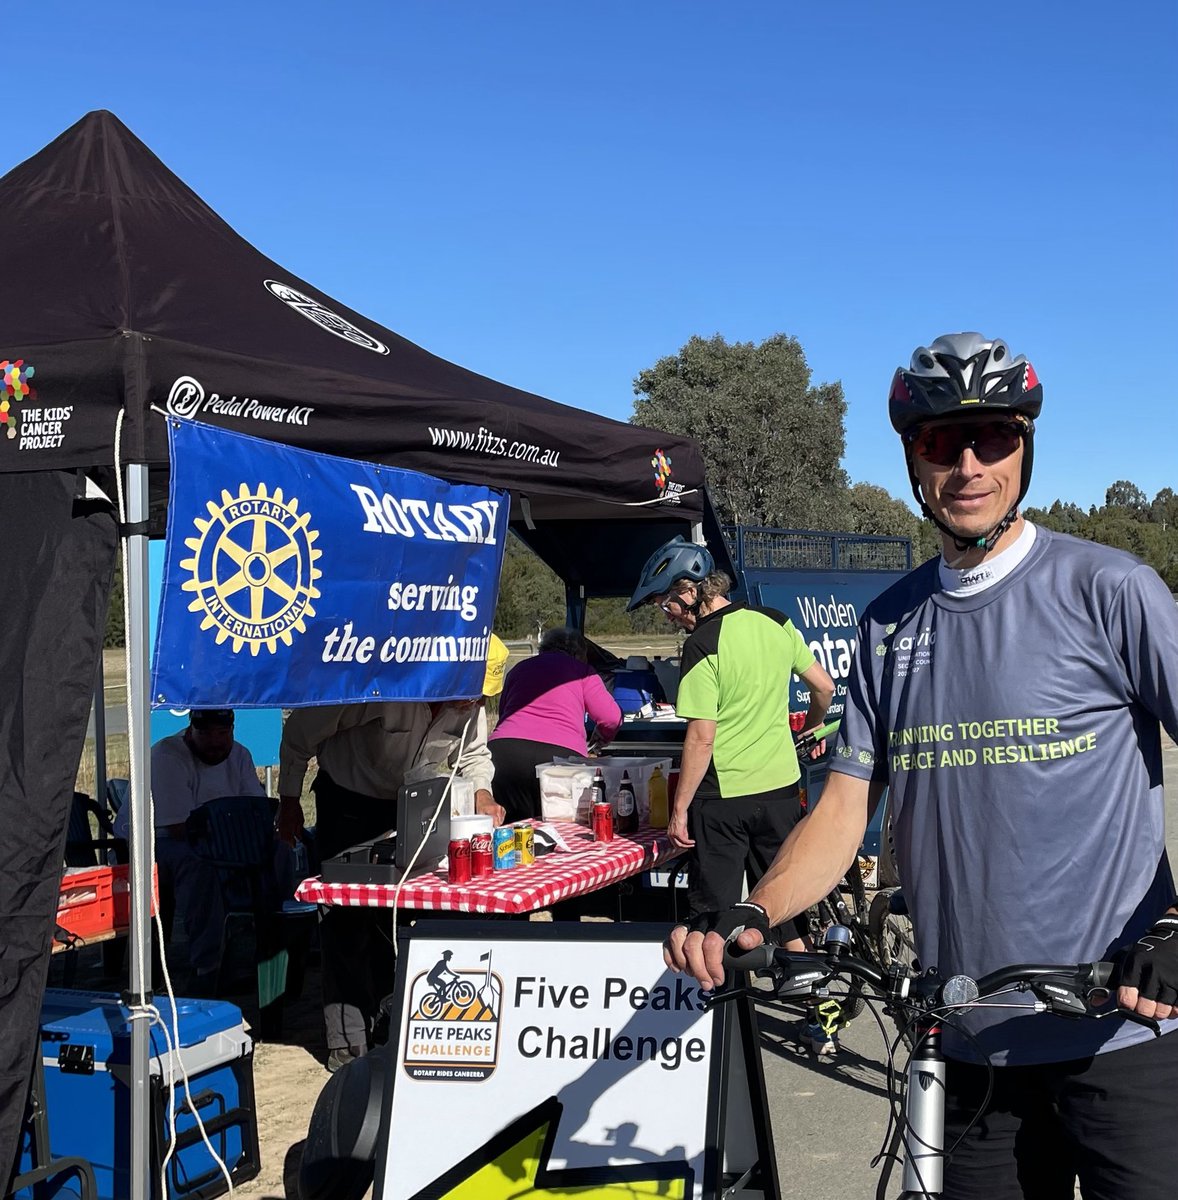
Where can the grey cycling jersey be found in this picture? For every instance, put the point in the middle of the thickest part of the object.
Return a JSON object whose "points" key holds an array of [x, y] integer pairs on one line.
{"points": [[1019, 731]]}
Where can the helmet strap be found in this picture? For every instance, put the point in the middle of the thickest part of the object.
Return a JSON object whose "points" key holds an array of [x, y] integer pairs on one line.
{"points": [[987, 541]]}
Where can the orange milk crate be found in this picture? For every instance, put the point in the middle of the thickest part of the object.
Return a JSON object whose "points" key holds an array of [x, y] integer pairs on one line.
{"points": [[85, 903]]}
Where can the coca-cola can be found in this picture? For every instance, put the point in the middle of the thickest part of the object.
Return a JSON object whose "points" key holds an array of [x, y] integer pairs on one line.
{"points": [[458, 856], [481, 862], [603, 823]]}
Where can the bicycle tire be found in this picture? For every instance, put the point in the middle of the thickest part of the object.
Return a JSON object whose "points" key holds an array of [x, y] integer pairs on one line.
{"points": [[463, 993], [431, 1006], [893, 941]]}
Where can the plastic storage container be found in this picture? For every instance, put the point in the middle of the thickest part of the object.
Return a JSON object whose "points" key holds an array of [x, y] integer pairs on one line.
{"points": [[85, 902], [120, 882], [613, 766], [86, 1051]]}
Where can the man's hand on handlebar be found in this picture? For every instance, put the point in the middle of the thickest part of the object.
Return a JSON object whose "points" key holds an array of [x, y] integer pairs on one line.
{"points": [[1148, 972], [698, 948]]}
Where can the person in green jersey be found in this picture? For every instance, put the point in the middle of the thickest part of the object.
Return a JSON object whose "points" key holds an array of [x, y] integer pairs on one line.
{"points": [[738, 795]]}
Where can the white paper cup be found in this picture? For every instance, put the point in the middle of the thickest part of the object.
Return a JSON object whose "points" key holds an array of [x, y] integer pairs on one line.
{"points": [[464, 827]]}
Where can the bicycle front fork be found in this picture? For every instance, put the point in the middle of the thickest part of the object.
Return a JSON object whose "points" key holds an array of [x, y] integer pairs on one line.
{"points": [[924, 1115]]}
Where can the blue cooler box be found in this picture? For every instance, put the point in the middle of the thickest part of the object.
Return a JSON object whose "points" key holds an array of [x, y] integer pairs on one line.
{"points": [[86, 1052]]}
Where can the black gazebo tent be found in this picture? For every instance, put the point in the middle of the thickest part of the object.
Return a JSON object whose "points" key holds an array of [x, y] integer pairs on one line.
{"points": [[124, 292]]}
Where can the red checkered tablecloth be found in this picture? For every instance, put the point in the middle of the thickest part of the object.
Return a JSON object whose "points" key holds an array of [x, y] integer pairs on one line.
{"points": [[586, 867]]}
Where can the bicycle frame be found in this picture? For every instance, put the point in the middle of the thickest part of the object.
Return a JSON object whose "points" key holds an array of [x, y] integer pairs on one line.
{"points": [[924, 1115], [1080, 990]]}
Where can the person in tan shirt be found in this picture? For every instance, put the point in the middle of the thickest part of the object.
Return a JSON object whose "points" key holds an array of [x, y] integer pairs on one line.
{"points": [[365, 752]]}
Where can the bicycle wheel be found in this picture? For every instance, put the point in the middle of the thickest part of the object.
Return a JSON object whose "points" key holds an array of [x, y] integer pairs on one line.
{"points": [[890, 930], [463, 993], [431, 1006], [847, 906]]}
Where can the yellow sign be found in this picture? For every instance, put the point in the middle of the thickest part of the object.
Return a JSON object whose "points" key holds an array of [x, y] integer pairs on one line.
{"points": [[514, 1165]]}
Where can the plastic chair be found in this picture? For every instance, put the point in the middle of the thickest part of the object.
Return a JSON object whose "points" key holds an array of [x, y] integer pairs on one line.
{"points": [[236, 834], [82, 847]]}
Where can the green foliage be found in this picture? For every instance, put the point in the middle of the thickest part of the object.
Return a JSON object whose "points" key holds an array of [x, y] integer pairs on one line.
{"points": [[531, 600], [531, 597], [115, 634], [772, 441], [1128, 520]]}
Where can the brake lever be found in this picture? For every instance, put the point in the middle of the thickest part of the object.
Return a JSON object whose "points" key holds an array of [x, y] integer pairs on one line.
{"points": [[1129, 1015], [712, 999], [1064, 1002]]}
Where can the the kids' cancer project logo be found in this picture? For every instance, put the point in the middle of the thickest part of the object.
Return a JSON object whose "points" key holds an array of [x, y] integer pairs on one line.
{"points": [[662, 470], [253, 568], [453, 1028], [14, 387]]}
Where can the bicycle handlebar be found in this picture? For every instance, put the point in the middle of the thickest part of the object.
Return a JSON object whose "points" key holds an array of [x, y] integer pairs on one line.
{"points": [[1074, 990], [806, 742]]}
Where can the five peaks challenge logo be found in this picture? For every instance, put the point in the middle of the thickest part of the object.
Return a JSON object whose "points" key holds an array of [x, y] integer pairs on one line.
{"points": [[453, 1026], [253, 568]]}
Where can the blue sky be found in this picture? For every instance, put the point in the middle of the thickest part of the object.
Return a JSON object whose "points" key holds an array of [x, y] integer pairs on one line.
{"points": [[558, 194]]}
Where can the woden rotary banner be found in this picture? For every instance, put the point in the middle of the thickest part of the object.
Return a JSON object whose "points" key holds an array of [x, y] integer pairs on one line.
{"points": [[293, 578]]}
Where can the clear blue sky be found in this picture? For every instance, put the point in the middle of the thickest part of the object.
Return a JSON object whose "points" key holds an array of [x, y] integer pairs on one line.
{"points": [[558, 194]]}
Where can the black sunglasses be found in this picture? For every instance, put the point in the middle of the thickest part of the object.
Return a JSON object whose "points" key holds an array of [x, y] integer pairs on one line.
{"points": [[991, 441]]}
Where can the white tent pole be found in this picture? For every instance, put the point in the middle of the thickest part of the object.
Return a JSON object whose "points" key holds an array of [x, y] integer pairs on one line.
{"points": [[142, 850]]}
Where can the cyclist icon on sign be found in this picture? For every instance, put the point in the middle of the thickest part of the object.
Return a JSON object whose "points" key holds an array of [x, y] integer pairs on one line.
{"points": [[448, 988]]}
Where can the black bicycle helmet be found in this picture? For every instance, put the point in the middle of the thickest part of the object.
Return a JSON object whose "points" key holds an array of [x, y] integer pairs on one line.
{"points": [[961, 374], [965, 375], [677, 559]]}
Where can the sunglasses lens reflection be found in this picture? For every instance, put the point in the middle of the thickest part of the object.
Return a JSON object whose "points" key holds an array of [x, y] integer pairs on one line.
{"points": [[991, 442]]}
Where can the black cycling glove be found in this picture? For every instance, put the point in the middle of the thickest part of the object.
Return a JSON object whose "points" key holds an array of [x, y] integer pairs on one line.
{"points": [[733, 922], [1151, 964]]}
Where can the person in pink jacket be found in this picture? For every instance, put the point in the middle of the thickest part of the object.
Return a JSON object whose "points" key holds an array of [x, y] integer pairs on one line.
{"points": [[542, 716]]}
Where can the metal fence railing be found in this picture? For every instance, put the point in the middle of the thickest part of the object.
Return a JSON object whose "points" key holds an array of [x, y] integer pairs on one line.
{"points": [[756, 548]]}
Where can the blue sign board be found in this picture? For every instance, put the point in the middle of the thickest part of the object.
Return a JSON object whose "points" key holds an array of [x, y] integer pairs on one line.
{"points": [[293, 578], [826, 608]]}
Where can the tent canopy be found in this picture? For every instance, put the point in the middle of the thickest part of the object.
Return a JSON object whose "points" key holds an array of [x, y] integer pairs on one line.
{"points": [[125, 290]]}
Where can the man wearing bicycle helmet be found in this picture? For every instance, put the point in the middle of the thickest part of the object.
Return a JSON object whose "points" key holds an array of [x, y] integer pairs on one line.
{"points": [[737, 797], [1011, 695]]}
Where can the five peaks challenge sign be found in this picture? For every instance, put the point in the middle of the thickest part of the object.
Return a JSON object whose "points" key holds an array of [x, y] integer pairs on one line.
{"points": [[293, 578]]}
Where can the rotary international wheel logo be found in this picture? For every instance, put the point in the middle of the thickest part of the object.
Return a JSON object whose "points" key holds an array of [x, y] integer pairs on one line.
{"points": [[253, 568]]}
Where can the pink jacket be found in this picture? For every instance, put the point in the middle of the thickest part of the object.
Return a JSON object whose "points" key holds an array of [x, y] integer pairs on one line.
{"points": [[545, 699]]}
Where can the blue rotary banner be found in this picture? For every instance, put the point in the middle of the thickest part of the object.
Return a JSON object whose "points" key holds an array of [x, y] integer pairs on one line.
{"points": [[293, 578]]}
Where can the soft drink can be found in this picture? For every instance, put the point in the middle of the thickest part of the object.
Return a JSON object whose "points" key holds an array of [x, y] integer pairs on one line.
{"points": [[525, 845], [603, 822], [481, 859], [503, 848], [458, 857]]}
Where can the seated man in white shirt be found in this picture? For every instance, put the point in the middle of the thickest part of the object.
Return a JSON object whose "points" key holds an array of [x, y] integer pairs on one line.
{"points": [[188, 768]]}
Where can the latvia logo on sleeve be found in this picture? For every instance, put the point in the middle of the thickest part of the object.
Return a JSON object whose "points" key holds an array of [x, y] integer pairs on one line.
{"points": [[452, 1032]]}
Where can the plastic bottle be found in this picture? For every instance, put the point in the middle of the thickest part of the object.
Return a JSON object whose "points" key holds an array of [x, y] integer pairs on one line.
{"points": [[627, 806], [597, 790], [660, 809]]}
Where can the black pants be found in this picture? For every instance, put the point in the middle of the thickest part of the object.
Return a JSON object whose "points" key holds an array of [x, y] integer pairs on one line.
{"points": [[1107, 1120], [736, 838], [516, 785], [359, 964]]}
